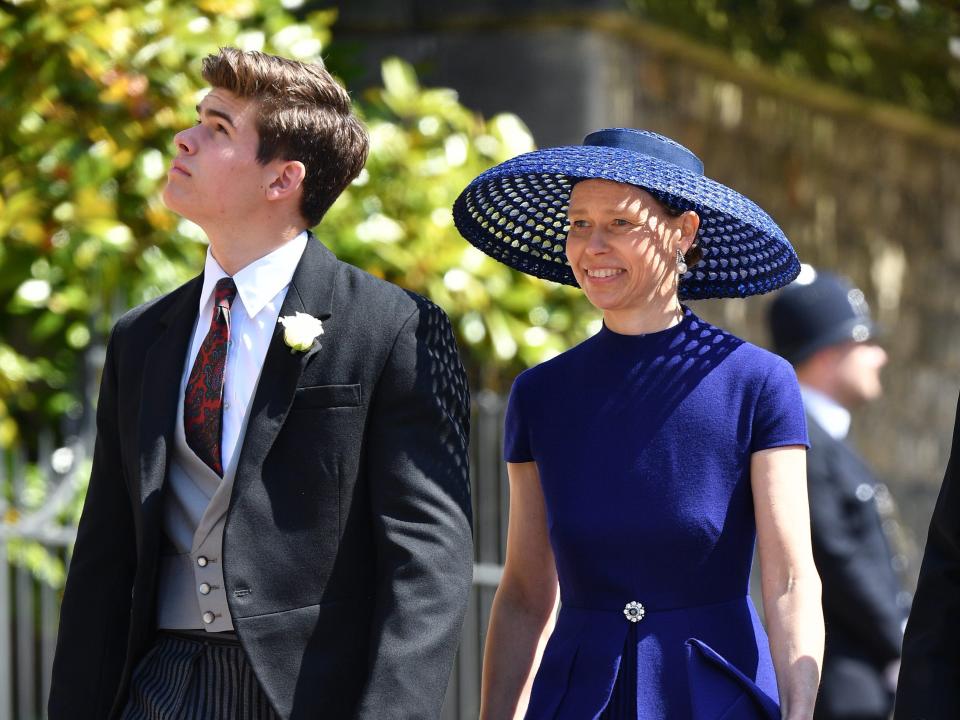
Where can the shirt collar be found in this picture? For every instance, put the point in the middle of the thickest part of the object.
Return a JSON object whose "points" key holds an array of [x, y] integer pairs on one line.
{"points": [[261, 280], [827, 412]]}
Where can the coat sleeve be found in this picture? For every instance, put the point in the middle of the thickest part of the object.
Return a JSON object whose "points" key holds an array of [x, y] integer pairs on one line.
{"points": [[95, 611], [929, 685], [420, 496], [852, 589]]}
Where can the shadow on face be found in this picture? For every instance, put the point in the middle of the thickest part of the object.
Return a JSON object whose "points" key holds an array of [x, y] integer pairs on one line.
{"points": [[622, 244]]}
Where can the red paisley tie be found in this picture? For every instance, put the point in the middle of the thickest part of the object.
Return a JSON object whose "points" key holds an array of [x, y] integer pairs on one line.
{"points": [[203, 398]]}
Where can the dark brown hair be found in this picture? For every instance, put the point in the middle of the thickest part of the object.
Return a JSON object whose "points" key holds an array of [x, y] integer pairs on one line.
{"points": [[694, 255], [302, 114]]}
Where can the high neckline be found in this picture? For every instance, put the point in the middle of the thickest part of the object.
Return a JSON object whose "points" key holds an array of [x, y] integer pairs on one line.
{"points": [[611, 335]]}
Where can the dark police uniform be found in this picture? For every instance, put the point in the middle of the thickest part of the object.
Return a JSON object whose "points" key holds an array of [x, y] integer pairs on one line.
{"points": [[862, 594], [860, 587]]}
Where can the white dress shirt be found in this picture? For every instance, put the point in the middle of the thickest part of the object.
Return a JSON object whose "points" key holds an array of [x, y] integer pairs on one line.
{"points": [[261, 288], [190, 585], [826, 412]]}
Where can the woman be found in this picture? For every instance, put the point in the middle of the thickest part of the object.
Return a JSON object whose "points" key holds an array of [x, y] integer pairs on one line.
{"points": [[644, 462]]}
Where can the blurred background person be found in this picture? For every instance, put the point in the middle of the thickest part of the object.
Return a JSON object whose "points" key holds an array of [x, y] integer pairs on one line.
{"points": [[822, 325]]}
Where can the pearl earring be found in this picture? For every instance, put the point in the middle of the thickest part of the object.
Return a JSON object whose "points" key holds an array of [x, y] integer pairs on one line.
{"points": [[681, 263]]}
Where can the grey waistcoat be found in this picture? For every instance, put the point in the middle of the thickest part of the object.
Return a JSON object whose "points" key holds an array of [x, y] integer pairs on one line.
{"points": [[190, 592]]}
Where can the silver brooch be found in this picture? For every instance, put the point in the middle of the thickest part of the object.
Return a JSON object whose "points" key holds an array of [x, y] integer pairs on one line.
{"points": [[634, 611]]}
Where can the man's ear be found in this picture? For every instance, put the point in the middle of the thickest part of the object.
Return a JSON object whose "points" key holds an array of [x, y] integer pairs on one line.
{"points": [[286, 179]]}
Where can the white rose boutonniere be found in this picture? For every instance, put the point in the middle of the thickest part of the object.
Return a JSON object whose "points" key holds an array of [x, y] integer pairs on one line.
{"points": [[300, 331]]}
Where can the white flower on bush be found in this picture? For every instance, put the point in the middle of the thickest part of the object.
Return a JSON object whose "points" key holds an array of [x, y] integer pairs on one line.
{"points": [[300, 331]]}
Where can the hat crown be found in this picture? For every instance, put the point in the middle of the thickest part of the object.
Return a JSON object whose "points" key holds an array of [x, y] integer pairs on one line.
{"points": [[647, 143]]}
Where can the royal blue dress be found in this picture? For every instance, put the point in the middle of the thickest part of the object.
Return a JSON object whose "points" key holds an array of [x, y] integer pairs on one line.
{"points": [[643, 446]]}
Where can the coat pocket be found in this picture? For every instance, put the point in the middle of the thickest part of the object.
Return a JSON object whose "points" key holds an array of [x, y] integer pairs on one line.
{"points": [[326, 396], [720, 691]]}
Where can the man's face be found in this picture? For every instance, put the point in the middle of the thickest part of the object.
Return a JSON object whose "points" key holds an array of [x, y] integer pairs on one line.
{"points": [[215, 177], [856, 368]]}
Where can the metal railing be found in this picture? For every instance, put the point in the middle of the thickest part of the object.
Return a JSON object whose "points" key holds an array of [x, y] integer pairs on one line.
{"points": [[42, 532], [34, 543]]}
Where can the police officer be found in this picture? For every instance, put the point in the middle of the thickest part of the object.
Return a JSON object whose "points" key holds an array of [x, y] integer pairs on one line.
{"points": [[822, 325]]}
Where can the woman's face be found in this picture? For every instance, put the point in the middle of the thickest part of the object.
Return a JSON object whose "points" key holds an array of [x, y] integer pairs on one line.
{"points": [[622, 245]]}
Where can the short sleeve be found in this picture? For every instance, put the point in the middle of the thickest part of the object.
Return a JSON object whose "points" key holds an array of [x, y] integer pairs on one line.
{"points": [[516, 434], [778, 418]]}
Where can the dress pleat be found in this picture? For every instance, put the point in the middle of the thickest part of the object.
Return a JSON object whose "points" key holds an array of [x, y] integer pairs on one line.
{"points": [[623, 700]]}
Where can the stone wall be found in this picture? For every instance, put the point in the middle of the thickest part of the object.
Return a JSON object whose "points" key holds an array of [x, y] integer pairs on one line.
{"points": [[870, 191], [870, 198]]}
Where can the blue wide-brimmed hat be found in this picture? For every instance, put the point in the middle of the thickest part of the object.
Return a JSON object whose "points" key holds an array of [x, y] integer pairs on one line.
{"points": [[516, 212]]}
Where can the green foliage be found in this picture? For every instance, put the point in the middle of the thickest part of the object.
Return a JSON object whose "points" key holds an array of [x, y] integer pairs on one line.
{"points": [[93, 92], [41, 501], [395, 221], [42, 563], [905, 52]]}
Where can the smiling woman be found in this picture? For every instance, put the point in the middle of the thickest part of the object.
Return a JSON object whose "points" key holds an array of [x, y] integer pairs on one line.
{"points": [[647, 537], [623, 247]]}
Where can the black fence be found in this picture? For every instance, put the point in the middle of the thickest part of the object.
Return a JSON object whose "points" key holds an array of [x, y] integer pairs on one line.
{"points": [[35, 540]]}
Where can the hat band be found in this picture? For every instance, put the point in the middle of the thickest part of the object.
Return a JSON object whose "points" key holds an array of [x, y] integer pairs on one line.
{"points": [[646, 145]]}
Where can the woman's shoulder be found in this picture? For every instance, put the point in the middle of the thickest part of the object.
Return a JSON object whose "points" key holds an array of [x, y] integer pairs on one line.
{"points": [[746, 360], [556, 369], [764, 371], [761, 360]]}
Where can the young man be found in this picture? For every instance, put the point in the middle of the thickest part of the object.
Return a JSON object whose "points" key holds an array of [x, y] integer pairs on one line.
{"points": [[278, 518], [822, 325]]}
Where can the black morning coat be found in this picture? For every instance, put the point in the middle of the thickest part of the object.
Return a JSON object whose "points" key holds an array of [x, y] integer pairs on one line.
{"points": [[347, 547], [864, 623], [929, 687]]}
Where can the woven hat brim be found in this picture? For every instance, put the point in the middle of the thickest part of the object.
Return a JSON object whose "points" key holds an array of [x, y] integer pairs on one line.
{"points": [[516, 213]]}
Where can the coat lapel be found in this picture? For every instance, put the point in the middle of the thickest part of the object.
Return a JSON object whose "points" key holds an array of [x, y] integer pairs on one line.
{"points": [[311, 291], [159, 395]]}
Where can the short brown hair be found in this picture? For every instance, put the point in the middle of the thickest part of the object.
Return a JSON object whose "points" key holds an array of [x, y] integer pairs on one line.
{"points": [[302, 114]]}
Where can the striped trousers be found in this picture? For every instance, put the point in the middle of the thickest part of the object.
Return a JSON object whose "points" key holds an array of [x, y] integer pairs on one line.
{"points": [[185, 679]]}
